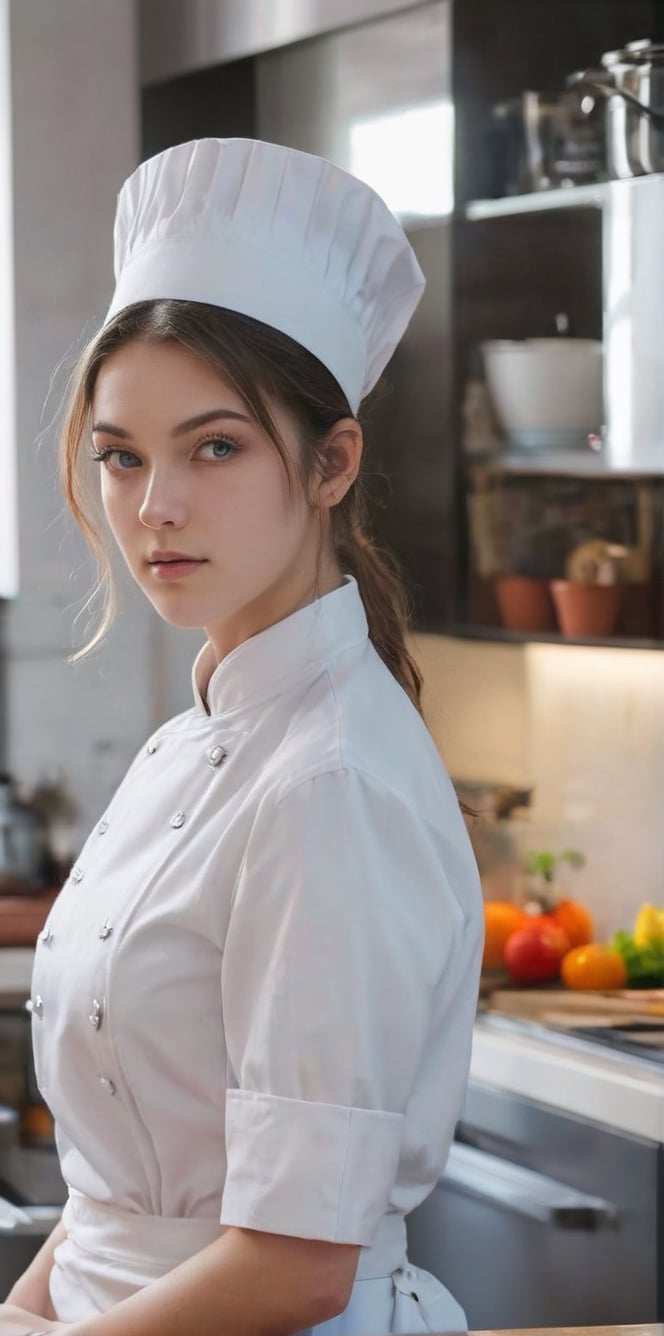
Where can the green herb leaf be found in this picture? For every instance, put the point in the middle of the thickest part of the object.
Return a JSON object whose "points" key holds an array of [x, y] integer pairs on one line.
{"points": [[645, 964]]}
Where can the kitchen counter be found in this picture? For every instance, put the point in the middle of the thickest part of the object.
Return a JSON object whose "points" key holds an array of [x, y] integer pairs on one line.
{"points": [[643, 1329], [622, 1092], [639, 1329]]}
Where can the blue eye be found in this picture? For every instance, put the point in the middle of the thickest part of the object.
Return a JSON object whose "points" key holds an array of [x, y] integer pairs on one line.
{"points": [[217, 447], [117, 459]]}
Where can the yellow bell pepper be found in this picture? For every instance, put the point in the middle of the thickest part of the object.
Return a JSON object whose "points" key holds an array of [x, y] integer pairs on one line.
{"points": [[649, 925]]}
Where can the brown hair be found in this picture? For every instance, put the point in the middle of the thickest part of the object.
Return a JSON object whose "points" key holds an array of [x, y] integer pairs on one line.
{"points": [[259, 362]]}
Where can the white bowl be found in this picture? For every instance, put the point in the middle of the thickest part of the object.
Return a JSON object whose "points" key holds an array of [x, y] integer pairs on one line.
{"points": [[546, 390]]}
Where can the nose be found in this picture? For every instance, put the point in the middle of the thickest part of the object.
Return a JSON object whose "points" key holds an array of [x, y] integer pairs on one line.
{"points": [[164, 503]]}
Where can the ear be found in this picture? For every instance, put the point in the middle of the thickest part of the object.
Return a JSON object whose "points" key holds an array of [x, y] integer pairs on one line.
{"points": [[342, 455]]}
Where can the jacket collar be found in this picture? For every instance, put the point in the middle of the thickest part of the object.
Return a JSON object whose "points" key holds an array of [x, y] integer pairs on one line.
{"points": [[269, 664]]}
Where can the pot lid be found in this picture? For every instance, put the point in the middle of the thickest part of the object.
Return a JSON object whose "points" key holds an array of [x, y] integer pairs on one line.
{"points": [[635, 53]]}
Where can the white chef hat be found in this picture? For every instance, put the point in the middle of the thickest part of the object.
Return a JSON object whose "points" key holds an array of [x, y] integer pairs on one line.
{"points": [[276, 234]]}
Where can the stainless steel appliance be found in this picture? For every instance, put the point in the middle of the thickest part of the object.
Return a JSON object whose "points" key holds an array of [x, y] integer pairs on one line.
{"points": [[542, 140], [24, 859], [543, 1219], [632, 82], [32, 1190], [32, 1194]]}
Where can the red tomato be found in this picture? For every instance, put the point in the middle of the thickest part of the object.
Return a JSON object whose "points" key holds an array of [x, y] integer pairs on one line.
{"points": [[534, 953]]}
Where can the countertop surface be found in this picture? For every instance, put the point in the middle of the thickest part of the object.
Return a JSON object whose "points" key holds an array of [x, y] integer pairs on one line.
{"points": [[655, 1329], [618, 1090]]}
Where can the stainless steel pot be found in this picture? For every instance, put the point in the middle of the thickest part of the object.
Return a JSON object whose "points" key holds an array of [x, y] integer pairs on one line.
{"points": [[632, 82], [23, 843]]}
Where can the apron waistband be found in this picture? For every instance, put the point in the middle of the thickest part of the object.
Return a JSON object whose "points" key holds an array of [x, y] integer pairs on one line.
{"points": [[97, 1227], [166, 1241]]}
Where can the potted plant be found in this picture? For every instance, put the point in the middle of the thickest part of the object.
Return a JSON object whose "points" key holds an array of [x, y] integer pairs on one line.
{"points": [[542, 866], [589, 600], [525, 603]]}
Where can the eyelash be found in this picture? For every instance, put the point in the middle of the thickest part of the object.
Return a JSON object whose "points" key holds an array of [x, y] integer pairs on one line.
{"points": [[103, 456]]}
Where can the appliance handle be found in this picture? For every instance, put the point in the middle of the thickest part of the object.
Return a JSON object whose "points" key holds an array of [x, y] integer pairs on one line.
{"points": [[608, 90], [476, 1173]]}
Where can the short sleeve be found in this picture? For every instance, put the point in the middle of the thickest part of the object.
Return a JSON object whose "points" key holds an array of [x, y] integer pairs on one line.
{"points": [[341, 925]]}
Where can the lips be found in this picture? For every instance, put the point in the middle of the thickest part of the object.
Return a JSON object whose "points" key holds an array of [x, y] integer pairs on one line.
{"points": [[159, 558], [172, 566]]}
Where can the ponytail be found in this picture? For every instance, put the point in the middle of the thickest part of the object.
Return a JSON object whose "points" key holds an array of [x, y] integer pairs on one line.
{"points": [[385, 604]]}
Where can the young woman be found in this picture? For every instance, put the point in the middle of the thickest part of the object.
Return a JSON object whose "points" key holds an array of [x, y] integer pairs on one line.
{"points": [[253, 999]]}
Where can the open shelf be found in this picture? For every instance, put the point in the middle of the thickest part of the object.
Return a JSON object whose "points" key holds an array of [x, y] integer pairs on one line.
{"points": [[466, 631], [543, 201], [560, 463]]}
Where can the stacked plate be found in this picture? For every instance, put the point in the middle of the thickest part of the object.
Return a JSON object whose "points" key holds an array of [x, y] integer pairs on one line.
{"points": [[548, 438]]}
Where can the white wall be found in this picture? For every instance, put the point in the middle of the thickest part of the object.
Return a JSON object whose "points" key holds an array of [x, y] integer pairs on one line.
{"points": [[585, 727], [8, 499], [75, 136]]}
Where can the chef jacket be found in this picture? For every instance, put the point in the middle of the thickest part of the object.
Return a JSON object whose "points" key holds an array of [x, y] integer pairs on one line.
{"points": [[253, 998]]}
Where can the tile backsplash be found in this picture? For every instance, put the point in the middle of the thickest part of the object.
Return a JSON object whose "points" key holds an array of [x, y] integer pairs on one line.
{"points": [[585, 728]]}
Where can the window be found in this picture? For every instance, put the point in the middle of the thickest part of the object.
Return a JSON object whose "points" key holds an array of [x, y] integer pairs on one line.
{"points": [[407, 156]]}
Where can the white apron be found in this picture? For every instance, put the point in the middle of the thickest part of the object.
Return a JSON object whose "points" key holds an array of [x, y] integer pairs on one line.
{"points": [[109, 1254]]}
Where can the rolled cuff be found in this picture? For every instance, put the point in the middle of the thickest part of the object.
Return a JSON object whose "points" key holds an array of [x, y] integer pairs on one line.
{"points": [[314, 1171]]}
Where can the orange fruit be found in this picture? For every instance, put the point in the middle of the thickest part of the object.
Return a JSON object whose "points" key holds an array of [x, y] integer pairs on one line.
{"points": [[575, 921], [501, 919], [593, 966]]}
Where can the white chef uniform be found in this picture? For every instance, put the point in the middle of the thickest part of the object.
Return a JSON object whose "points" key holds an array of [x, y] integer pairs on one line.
{"points": [[253, 998]]}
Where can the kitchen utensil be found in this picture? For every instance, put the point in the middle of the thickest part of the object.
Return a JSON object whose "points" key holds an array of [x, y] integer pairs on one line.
{"points": [[547, 393], [631, 82]]}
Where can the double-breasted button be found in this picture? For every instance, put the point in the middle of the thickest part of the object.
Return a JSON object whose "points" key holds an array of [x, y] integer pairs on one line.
{"points": [[46, 935], [102, 827], [96, 1014], [35, 1005], [105, 930], [108, 1084], [215, 756], [151, 748], [178, 819], [77, 873]]}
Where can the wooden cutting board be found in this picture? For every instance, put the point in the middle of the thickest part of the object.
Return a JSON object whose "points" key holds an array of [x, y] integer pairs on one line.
{"points": [[563, 1006]]}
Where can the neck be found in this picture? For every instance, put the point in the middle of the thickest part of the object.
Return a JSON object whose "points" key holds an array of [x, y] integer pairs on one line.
{"points": [[273, 605]]}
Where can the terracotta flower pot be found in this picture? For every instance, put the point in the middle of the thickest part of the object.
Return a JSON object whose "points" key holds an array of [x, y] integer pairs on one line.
{"points": [[585, 609], [525, 603]]}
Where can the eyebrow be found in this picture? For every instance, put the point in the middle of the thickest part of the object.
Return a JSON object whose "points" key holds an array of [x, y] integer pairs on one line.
{"points": [[190, 424]]}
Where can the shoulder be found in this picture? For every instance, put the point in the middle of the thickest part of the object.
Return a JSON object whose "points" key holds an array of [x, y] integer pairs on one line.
{"points": [[356, 718], [359, 769]]}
